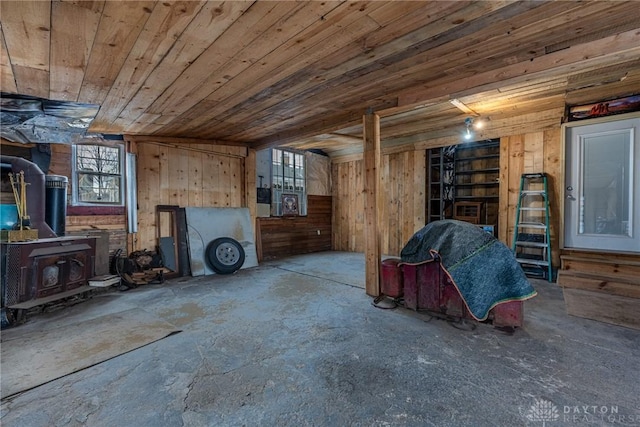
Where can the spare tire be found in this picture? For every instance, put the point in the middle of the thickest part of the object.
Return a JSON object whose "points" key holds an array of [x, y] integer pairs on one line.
{"points": [[225, 255]]}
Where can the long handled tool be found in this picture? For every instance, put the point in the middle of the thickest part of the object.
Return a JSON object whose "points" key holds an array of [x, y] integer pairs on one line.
{"points": [[24, 221]]}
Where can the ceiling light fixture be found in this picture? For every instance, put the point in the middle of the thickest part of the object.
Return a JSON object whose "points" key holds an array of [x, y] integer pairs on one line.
{"points": [[468, 122]]}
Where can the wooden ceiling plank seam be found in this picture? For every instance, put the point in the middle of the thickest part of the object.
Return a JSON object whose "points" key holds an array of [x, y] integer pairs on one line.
{"points": [[591, 63], [389, 13], [605, 92], [295, 23], [605, 49], [259, 75], [158, 94], [189, 47], [336, 68], [165, 25], [628, 23], [340, 67], [514, 92], [490, 102], [529, 43], [435, 19], [534, 84], [120, 26], [623, 41], [439, 120], [7, 79], [301, 54], [446, 53], [532, 120], [332, 123], [208, 69], [426, 111], [378, 83], [180, 140], [557, 25], [73, 30], [27, 31], [619, 70], [481, 21], [446, 122], [432, 104], [31, 81], [583, 24], [27, 28]]}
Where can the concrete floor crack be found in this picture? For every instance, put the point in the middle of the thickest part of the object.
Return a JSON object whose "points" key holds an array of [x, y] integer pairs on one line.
{"points": [[318, 277], [185, 406]]}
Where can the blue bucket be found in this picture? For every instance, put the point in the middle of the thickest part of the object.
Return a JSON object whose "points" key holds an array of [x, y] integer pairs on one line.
{"points": [[8, 216]]}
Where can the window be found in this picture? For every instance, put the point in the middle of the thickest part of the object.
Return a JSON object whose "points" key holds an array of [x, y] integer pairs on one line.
{"points": [[97, 175], [288, 177]]}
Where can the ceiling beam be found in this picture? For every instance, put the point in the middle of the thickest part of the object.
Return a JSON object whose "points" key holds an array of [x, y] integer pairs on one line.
{"points": [[593, 54], [178, 140], [463, 107]]}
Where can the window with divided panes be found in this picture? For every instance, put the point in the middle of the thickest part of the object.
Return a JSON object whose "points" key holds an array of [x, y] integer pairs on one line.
{"points": [[98, 175], [288, 177]]}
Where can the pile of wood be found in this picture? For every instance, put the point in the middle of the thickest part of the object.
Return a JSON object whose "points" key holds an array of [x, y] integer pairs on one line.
{"points": [[139, 268], [151, 276]]}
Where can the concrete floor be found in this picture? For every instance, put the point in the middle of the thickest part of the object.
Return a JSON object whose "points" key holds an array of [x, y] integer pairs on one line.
{"points": [[296, 342]]}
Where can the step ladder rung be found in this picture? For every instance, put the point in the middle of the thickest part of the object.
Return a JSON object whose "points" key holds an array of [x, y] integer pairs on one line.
{"points": [[531, 244], [537, 175], [537, 225], [532, 261], [524, 236]]}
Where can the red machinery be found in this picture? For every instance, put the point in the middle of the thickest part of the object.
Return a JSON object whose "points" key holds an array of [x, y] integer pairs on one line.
{"points": [[426, 286]]}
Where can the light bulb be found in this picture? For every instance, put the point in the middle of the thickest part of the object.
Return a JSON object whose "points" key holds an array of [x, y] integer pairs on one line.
{"points": [[479, 124], [468, 134]]}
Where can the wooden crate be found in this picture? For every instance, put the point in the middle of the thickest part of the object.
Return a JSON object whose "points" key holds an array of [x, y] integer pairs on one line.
{"points": [[467, 211]]}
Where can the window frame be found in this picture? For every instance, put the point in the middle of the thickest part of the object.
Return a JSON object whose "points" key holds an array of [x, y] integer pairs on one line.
{"points": [[75, 173], [279, 184]]}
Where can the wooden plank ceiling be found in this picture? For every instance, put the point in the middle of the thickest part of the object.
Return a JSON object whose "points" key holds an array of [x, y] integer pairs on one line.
{"points": [[267, 73]]}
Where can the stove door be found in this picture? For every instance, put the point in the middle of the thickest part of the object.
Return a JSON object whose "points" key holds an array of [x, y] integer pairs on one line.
{"points": [[48, 275]]}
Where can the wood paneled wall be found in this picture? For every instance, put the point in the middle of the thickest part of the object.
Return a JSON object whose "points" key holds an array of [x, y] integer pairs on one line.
{"points": [[404, 192], [348, 206], [195, 175], [402, 206], [530, 153], [283, 236]]}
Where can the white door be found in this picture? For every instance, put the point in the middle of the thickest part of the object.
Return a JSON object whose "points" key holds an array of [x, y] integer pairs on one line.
{"points": [[602, 186]]}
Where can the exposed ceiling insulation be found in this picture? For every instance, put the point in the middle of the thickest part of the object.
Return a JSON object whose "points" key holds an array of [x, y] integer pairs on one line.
{"points": [[34, 120]]}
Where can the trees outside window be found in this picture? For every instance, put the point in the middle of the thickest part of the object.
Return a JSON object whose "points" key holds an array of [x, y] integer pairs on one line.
{"points": [[98, 177]]}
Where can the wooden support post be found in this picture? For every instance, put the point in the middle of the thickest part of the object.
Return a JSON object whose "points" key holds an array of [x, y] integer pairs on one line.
{"points": [[250, 190], [371, 125]]}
